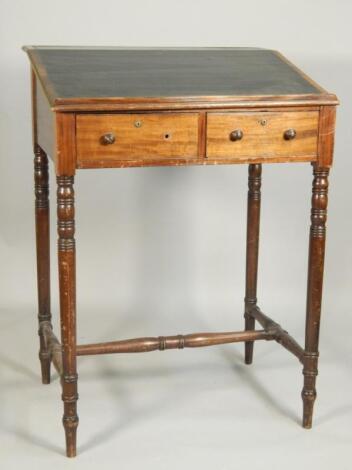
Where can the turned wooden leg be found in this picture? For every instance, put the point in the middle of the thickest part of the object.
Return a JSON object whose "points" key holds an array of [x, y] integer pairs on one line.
{"points": [[253, 222], [67, 283], [41, 185], [314, 289]]}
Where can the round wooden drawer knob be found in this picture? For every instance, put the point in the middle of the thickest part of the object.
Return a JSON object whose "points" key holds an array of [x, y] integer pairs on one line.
{"points": [[289, 134], [236, 135], [107, 139]]}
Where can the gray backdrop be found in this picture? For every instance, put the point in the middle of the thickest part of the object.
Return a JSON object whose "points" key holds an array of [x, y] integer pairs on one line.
{"points": [[161, 251]]}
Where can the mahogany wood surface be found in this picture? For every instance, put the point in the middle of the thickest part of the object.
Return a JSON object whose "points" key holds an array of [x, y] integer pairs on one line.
{"points": [[42, 223], [326, 136], [69, 81], [252, 250], [194, 340], [315, 288], [54, 347], [136, 136], [263, 134], [67, 286], [120, 107], [279, 334]]}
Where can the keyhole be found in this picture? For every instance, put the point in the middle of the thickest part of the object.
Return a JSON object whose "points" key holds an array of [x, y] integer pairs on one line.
{"points": [[167, 136]]}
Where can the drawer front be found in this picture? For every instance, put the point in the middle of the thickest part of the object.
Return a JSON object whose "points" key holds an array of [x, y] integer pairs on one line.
{"points": [[280, 135], [109, 137]]}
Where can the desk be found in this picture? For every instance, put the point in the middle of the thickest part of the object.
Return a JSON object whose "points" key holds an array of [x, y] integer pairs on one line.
{"points": [[116, 108]]}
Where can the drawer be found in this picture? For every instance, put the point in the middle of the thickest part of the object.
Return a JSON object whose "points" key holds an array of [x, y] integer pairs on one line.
{"points": [[262, 134], [103, 138]]}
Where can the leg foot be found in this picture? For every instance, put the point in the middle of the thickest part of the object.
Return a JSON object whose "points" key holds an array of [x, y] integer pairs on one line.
{"points": [[308, 404], [70, 425], [45, 364], [309, 394]]}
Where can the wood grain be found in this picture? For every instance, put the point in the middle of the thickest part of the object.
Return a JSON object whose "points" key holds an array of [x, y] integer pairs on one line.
{"points": [[65, 144], [252, 251], [262, 140], [202, 129], [161, 162], [173, 107], [280, 335], [161, 343], [326, 136], [54, 347], [67, 287], [42, 225], [143, 136], [317, 238]]}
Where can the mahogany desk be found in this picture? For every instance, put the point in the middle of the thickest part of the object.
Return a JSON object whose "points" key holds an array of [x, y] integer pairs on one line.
{"points": [[116, 108]]}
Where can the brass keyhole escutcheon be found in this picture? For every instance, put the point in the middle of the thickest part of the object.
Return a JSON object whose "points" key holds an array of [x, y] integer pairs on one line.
{"points": [[167, 135], [263, 122], [137, 123]]}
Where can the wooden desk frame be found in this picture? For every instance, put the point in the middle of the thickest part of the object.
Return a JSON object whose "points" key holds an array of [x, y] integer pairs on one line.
{"points": [[54, 132]]}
